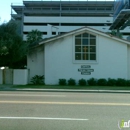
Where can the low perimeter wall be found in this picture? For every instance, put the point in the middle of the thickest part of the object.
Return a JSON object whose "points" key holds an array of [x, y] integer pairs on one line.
{"points": [[1, 76], [17, 76], [20, 77]]}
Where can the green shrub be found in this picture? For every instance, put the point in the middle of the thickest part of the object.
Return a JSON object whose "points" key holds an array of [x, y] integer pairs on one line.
{"points": [[102, 82], [128, 82], [121, 82], [71, 82], [82, 82], [62, 81], [92, 82], [37, 79], [111, 82]]}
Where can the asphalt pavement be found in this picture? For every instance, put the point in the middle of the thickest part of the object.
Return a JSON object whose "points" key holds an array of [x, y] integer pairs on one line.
{"points": [[22, 110]]}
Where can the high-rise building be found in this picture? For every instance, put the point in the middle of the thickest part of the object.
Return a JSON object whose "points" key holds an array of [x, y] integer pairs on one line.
{"points": [[58, 17]]}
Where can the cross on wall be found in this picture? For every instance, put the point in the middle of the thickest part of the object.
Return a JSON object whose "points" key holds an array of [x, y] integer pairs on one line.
{"points": [[85, 50]]}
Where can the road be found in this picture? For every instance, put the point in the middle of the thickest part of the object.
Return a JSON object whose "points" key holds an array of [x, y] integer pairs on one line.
{"points": [[63, 111]]}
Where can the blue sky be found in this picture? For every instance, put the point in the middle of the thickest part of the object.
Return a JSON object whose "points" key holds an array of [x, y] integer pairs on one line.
{"points": [[5, 8]]}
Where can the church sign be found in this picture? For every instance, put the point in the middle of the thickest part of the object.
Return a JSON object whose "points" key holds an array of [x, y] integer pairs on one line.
{"points": [[85, 66], [85, 73], [86, 70]]}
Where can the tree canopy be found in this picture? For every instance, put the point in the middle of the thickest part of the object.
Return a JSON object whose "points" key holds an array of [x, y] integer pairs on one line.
{"points": [[34, 36], [12, 48]]}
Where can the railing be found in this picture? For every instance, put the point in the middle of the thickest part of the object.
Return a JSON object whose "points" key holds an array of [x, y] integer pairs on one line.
{"points": [[17, 4], [68, 8], [68, 0]]}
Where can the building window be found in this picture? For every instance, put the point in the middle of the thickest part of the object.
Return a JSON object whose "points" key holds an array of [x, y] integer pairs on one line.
{"points": [[85, 47]]}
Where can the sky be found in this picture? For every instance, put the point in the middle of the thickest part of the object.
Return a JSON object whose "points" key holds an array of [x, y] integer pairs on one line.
{"points": [[5, 8]]}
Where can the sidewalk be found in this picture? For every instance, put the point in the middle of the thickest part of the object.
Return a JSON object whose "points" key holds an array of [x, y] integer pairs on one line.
{"points": [[9, 88], [4, 87]]}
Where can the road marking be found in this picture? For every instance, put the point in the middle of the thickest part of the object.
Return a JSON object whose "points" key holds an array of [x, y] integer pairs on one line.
{"points": [[45, 118], [66, 103], [32, 95]]}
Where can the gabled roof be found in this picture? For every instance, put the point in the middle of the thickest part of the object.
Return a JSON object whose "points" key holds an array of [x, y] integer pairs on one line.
{"points": [[46, 40]]}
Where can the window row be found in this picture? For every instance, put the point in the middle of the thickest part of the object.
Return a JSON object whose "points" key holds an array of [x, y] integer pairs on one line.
{"points": [[85, 56], [85, 41], [85, 48], [85, 35]]}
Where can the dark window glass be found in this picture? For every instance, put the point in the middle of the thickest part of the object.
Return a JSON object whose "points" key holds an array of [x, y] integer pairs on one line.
{"points": [[92, 36], [53, 33], [77, 41], [85, 34], [92, 48], [78, 56], [77, 48], [85, 41], [78, 36], [92, 56], [92, 41]]}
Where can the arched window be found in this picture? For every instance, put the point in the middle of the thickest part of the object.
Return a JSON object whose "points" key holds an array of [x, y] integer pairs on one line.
{"points": [[85, 47]]}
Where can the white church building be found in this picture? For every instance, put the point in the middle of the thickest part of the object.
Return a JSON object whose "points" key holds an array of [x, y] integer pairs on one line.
{"points": [[82, 53]]}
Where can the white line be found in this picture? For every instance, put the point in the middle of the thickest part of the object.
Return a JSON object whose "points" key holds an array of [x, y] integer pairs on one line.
{"points": [[67, 103], [32, 95], [45, 118]]}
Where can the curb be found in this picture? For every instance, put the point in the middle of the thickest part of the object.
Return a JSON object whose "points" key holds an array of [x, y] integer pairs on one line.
{"points": [[66, 90]]}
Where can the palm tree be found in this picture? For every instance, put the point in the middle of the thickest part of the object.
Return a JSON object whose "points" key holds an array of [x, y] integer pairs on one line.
{"points": [[34, 36]]}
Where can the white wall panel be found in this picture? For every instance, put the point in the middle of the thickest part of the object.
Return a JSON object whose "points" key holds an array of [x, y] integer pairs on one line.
{"points": [[35, 62], [20, 76], [30, 28], [1, 76], [33, 19]]}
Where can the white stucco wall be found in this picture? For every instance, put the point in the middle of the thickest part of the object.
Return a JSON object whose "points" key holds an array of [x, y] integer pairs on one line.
{"points": [[128, 63], [35, 62], [112, 59], [1, 76], [20, 77], [59, 63], [8, 76]]}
